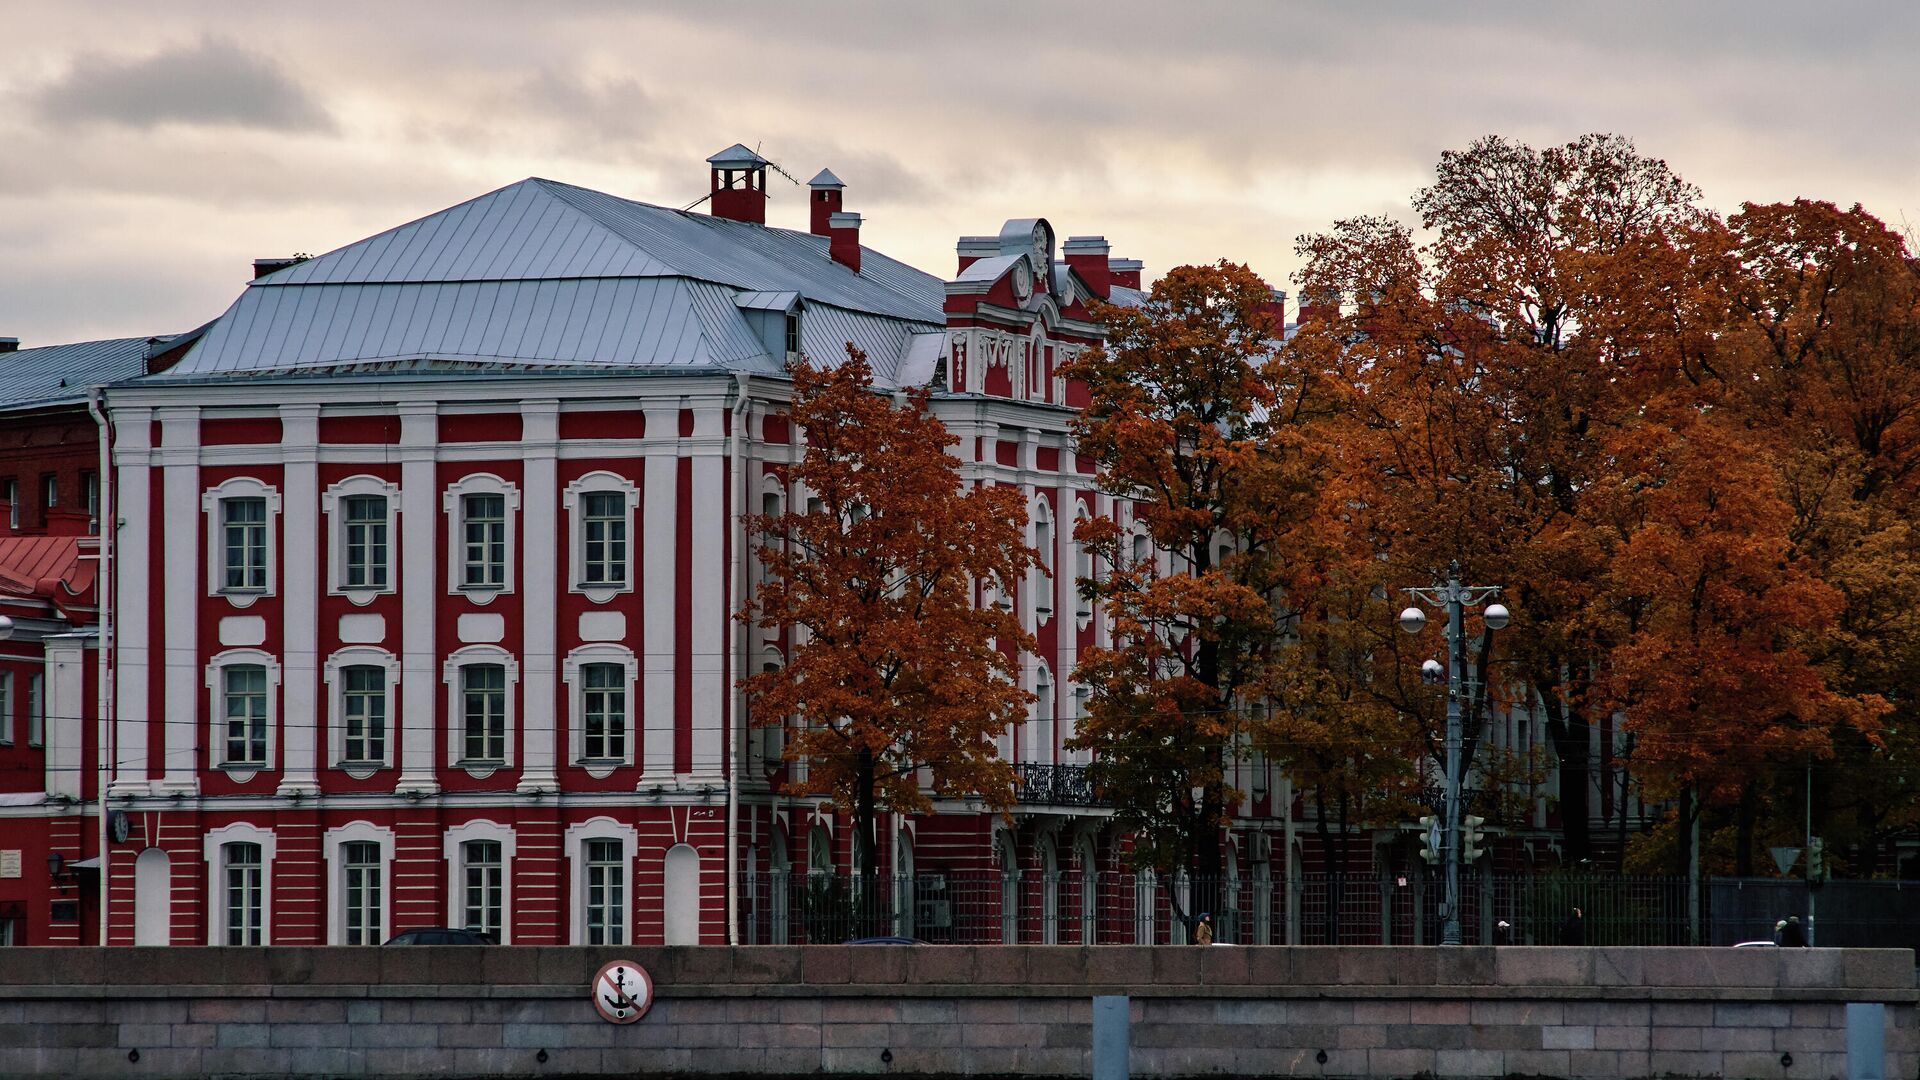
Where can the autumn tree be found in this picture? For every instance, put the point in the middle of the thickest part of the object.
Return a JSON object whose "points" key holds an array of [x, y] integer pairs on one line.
{"points": [[1488, 366], [894, 669], [1199, 427]]}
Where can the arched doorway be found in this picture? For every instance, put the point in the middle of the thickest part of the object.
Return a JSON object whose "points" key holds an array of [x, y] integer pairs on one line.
{"points": [[1049, 892], [904, 894], [1009, 889], [152, 898], [680, 910]]}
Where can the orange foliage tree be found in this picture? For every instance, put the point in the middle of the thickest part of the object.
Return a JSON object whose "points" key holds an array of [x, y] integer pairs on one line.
{"points": [[1201, 427], [894, 668]]}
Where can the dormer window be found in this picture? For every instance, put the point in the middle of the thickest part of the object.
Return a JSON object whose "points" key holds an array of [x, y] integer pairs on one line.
{"points": [[793, 334]]}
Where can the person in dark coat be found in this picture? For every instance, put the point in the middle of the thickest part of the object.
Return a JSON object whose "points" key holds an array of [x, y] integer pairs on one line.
{"points": [[1574, 930], [1793, 935]]}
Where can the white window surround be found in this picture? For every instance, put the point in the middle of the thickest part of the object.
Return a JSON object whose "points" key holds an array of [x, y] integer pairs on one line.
{"points": [[240, 487], [210, 845], [478, 484], [603, 653], [1040, 576], [360, 656], [572, 500], [453, 847], [450, 673], [330, 848], [1083, 566], [337, 536], [216, 682], [574, 845]]}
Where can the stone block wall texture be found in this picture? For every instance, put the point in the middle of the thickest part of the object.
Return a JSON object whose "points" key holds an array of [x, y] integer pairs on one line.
{"points": [[933, 1011]]}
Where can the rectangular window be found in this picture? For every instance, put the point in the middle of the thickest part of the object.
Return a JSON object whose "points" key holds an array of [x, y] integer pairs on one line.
{"points": [[364, 522], [364, 710], [483, 692], [6, 708], [484, 539], [243, 525], [483, 886], [90, 489], [603, 524], [245, 691], [10, 494], [604, 712], [361, 892], [793, 334], [36, 709], [606, 914], [49, 492], [245, 909]]}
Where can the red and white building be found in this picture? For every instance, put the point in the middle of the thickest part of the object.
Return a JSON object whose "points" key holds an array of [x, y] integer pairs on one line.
{"points": [[427, 552]]}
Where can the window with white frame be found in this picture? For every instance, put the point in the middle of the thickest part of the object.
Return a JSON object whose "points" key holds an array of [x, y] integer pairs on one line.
{"points": [[602, 507], [1082, 568], [6, 708], [361, 510], [600, 851], [10, 494], [239, 860], [360, 683], [480, 893], [600, 680], [480, 689], [480, 536], [1041, 584], [242, 711], [36, 709], [240, 548], [359, 856]]}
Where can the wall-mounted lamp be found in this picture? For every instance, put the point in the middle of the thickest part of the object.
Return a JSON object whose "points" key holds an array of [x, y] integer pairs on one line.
{"points": [[57, 871]]}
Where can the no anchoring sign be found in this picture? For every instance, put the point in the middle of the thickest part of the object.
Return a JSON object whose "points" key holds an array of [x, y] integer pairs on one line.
{"points": [[622, 992]]}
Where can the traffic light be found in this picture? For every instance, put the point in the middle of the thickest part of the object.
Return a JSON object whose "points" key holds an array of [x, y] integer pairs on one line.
{"points": [[1430, 838], [1470, 837]]}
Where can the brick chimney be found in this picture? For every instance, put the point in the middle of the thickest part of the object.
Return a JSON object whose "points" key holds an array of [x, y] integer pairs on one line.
{"points": [[263, 267], [972, 249], [9, 344], [843, 239], [1318, 305], [739, 185], [1276, 310], [825, 193], [1126, 272], [1088, 257]]}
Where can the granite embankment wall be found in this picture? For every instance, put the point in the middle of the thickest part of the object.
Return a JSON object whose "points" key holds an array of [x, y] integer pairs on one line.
{"points": [[949, 1011]]}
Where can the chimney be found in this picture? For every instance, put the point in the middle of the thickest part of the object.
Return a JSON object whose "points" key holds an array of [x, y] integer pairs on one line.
{"points": [[263, 267], [1087, 255], [974, 248], [824, 194], [739, 185], [1276, 310], [843, 239], [9, 344], [1125, 272], [1319, 305]]}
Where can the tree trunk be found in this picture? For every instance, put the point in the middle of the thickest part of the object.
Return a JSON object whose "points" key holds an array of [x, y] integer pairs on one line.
{"points": [[1324, 826], [1749, 809], [865, 894], [1568, 730]]}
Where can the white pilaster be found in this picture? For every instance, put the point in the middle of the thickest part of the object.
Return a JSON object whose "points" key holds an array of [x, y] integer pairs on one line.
{"points": [[660, 521], [419, 570], [540, 545], [132, 556], [66, 716], [709, 612], [1032, 734], [1066, 602], [181, 517], [300, 599]]}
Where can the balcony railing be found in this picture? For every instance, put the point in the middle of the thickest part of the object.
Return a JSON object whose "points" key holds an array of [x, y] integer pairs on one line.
{"points": [[1057, 785]]}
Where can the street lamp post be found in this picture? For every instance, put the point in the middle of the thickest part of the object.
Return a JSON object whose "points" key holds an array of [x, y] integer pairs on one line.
{"points": [[1455, 598]]}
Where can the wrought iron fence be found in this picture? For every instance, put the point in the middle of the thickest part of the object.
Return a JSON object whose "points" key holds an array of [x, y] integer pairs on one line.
{"points": [[1073, 908], [1056, 785]]}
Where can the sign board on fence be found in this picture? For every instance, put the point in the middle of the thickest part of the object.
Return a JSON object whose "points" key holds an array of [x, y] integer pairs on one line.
{"points": [[622, 992], [1785, 857]]}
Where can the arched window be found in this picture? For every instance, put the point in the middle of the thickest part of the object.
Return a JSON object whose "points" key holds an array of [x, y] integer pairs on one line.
{"points": [[600, 851], [239, 883], [242, 559], [820, 851], [479, 857], [359, 856], [480, 682], [1043, 539], [360, 537], [1009, 861]]}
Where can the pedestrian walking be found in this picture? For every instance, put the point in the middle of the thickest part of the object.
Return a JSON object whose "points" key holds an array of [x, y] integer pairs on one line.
{"points": [[1574, 930], [1793, 935], [1203, 931]]}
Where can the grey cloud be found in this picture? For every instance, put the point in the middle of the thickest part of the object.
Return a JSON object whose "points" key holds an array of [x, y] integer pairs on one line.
{"points": [[211, 83]]}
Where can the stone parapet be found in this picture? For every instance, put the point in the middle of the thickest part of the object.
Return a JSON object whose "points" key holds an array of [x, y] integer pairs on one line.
{"points": [[950, 1011]]}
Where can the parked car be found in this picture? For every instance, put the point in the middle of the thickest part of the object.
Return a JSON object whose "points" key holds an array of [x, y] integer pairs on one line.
{"points": [[883, 941], [441, 935], [1756, 944]]}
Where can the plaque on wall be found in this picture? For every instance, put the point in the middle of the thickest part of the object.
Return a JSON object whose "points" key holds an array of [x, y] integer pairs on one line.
{"points": [[10, 863]]}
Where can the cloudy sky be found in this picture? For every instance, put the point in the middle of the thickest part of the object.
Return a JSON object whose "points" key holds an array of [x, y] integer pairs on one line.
{"points": [[148, 152]]}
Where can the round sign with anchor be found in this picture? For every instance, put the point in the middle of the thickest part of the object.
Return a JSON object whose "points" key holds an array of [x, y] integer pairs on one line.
{"points": [[622, 992]]}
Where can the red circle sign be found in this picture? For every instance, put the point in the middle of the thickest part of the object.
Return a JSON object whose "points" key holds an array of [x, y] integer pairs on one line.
{"points": [[622, 992]]}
